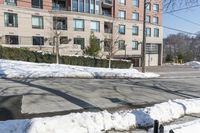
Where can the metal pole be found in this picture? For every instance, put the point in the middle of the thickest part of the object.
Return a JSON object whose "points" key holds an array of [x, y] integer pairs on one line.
{"points": [[144, 39], [57, 42]]}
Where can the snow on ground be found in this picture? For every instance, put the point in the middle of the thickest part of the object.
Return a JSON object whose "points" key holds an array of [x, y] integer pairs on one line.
{"points": [[194, 64], [21, 69], [99, 122], [188, 127]]}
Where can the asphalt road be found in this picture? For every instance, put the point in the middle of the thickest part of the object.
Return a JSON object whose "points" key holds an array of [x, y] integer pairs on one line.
{"points": [[27, 98]]}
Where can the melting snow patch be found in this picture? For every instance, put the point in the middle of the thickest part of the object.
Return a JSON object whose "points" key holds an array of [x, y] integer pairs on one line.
{"points": [[99, 122], [21, 69]]}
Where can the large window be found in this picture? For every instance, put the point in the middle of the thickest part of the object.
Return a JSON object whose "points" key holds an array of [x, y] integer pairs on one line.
{"points": [[37, 40], [148, 19], [122, 14], [95, 26], [155, 7], [97, 8], [135, 30], [92, 6], [87, 6], [136, 3], [80, 41], [121, 45], [108, 27], [155, 20], [122, 29], [151, 48], [107, 45], [11, 2], [148, 7], [11, 39], [10, 20], [156, 32], [148, 32], [135, 16], [37, 4], [64, 40], [81, 5], [59, 23], [122, 2], [79, 25], [37, 22], [134, 45], [75, 5]]}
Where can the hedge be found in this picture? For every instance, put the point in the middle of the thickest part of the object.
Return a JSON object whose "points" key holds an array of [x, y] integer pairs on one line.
{"points": [[23, 54]]}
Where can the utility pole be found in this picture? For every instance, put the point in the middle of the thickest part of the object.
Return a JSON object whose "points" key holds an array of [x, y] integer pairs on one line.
{"points": [[57, 41], [144, 39]]}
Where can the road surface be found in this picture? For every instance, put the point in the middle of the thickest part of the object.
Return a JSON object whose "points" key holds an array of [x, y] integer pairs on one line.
{"points": [[27, 98]]}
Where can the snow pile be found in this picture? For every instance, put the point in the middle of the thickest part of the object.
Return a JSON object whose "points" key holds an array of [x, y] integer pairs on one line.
{"points": [[189, 127], [194, 64], [99, 122], [20, 69]]}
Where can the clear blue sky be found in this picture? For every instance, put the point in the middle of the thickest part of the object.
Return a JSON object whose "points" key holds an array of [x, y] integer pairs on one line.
{"points": [[192, 14]]}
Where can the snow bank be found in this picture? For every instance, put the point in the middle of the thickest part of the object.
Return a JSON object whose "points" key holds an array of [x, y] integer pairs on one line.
{"points": [[189, 127], [99, 122], [20, 69], [194, 64]]}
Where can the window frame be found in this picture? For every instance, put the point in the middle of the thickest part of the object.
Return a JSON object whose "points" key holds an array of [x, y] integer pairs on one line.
{"points": [[121, 46], [137, 29], [41, 40], [75, 26], [124, 29], [137, 44], [7, 20]]}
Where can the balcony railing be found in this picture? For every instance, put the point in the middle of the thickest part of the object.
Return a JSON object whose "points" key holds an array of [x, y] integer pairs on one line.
{"points": [[107, 3]]}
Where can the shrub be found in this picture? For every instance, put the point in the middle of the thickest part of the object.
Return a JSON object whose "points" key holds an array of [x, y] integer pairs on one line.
{"points": [[31, 56]]}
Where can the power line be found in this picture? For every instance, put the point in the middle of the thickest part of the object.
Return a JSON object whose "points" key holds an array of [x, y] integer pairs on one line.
{"points": [[186, 32], [189, 21], [180, 9]]}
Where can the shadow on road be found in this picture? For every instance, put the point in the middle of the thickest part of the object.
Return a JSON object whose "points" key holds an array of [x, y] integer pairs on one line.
{"points": [[79, 102]]}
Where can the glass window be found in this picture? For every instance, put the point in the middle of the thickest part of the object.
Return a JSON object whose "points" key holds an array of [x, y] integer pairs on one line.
{"points": [[121, 14], [79, 25], [134, 45], [37, 22], [156, 32], [81, 5], [97, 7], [37, 4], [92, 6], [155, 20], [122, 29], [10, 20], [75, 5], [95, 26], [64, 40], [87, 6], [11, 2], [122, 2], [148, 19], [121, 45], [135, 30], [60, 23], [148, 7], [155, 7], [108, 27], [151, 48], [37, 40], [136, 3], [107, 45], [135, 16], [148, 32], [10, 39], [80, 41]]}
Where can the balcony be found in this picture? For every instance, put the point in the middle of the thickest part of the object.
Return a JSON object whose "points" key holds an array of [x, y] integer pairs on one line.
{"points": [[107, 3], [59, 5]]}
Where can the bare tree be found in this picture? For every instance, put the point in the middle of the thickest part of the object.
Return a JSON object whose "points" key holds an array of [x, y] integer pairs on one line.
{"points": [[111, 45]]}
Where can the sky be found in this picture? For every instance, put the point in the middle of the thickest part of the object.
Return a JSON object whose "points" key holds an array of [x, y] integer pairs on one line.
{"points": [[192, 14]]}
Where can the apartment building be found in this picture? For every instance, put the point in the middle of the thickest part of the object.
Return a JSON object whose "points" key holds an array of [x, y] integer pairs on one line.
{"points": [[34, 24]]}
